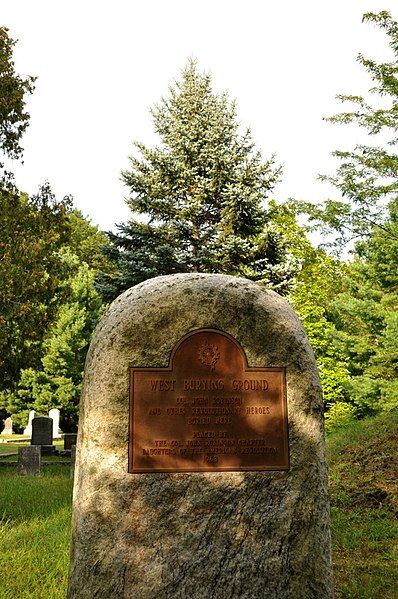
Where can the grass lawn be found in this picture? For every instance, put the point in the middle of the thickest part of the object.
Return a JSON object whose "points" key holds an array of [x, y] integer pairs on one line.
{"points": [[13, 447], [362, 461], [10, 448], [34, 533], [35, 519]]}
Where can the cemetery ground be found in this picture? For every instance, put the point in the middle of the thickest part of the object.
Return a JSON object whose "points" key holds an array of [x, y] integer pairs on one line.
{"points": [[35, 518]]}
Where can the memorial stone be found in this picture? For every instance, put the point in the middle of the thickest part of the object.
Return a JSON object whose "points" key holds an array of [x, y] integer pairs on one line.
{"points": [[54, 414], [29, 458], [200, 468], [28, 429], [42, 434], [69, 440], [7, 430]]}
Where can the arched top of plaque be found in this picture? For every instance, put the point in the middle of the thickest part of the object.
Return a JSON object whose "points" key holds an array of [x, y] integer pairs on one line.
{"points": [[207, 410], [208, 351]]}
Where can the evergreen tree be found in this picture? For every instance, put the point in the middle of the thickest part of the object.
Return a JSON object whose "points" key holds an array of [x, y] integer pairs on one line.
{"points": [[366, 318], [198, 199]]}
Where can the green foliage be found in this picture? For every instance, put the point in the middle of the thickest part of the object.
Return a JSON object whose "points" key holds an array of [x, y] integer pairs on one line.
{"points": [[13, 88], [361, 315], [312, 296], [49, 255], [198, 198], [339, 414], [319, 277], [48, 305], [367, 177], [366, 317], [87, 242], [32, 232], [365, 393], [58, 383]]}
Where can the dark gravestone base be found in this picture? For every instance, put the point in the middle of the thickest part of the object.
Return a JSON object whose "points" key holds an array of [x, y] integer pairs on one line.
{"points": [[48, 450], [69, 440]]}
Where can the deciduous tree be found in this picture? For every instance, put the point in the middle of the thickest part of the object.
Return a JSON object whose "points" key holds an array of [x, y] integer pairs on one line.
{"points": [[57, 382], [32, 232], [14, 88], [367, 177]]}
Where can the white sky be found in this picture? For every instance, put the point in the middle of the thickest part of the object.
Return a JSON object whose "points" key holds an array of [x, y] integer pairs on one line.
{"points": [[102, 65]]}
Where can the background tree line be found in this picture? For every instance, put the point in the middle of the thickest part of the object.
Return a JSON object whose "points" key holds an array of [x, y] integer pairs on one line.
{"points": [[201, 200]]}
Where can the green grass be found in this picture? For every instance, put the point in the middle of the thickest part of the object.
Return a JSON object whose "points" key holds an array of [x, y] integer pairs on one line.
{"points": [[34, 533], [9, 448], [362, 459], [13, 447], [35, 519]]}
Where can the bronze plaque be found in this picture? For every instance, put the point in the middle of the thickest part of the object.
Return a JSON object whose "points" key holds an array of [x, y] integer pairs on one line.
{"points": [[208, 411]]}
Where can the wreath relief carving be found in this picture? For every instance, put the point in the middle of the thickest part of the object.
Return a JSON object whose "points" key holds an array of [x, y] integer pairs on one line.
{"points": [[208, 354]]}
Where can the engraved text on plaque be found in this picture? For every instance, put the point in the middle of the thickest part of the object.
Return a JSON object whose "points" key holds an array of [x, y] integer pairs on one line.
{"points": [[207, 411]]}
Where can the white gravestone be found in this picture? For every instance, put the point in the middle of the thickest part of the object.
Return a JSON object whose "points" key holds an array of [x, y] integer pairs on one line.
{"points": [[28, 429], [55, 414], [7, 430]]}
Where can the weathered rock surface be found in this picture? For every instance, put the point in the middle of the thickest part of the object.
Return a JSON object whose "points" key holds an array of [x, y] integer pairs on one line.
{"points": [[29, 460], [198, 535]]}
